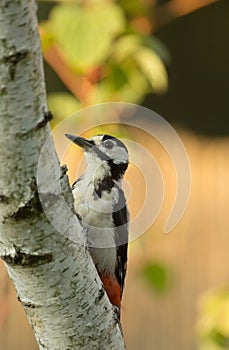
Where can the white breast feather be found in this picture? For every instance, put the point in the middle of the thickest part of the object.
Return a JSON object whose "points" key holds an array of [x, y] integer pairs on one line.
{"points": [[97, 220]]}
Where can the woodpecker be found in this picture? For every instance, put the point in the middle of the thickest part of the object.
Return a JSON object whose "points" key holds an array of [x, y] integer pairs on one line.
{"points": [[100, 205]]}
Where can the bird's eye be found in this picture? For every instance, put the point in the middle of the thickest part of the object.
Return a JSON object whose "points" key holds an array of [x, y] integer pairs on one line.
{"points": [[108, 144]]}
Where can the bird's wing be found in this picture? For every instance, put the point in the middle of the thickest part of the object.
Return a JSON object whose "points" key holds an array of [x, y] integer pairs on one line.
{"points": [[120, 219]]}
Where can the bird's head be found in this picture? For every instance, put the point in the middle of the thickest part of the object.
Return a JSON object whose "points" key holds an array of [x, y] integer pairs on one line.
{"points": [[104, 149]]}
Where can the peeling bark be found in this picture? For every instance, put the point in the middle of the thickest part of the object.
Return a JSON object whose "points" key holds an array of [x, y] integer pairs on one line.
{"points": [[54, 276]]}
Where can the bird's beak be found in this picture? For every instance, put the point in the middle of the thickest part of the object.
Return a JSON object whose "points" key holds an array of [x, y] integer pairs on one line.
{"points": [[80, 141]]}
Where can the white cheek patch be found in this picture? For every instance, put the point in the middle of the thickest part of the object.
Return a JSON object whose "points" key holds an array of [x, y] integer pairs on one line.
{"points": [[119, 155]]}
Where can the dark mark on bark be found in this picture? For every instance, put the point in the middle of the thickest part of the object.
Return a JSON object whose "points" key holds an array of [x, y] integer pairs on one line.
{"points": [[28, 304], [21, 258], [63, 170], [100, 295], [116, 315], [2, 90], [42, 345], [13, 58], [65, 269], [4, 199], [31, 305], [78, 216], [32, 207], [27, 209], [47, 117]]}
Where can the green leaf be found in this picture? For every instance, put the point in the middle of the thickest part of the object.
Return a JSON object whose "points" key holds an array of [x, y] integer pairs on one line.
{"points": [[136, 8], [158, 47], [85, 34], [118, 77], [125, 46], [131, 87], [213, 323], [157, 277], [219, 339], [153, 68], [135, 89]]}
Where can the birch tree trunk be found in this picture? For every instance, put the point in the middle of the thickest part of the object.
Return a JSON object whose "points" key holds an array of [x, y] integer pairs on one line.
{"points": [[55, 278]]}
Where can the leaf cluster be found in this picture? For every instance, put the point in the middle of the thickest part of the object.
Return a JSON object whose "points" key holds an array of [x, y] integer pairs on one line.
{"points": [[213, 323], [101, 43]]}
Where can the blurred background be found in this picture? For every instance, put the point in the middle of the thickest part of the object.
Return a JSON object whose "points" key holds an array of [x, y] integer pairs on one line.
{"points": [[172, 57]]}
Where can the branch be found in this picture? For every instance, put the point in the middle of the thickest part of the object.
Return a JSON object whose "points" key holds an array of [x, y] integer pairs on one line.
{"points": [[55, 278], [80, 87], [177, 8]]}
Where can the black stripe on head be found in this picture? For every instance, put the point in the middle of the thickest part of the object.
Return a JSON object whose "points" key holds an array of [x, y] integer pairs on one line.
{"points": [[92, 142], [118, 142]]}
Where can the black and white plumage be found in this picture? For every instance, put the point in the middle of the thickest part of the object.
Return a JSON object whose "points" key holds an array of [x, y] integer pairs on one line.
{"points": [[101, 206]]}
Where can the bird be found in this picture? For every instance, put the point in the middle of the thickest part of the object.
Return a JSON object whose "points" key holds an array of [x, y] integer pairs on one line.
{"points": [[100, 205]]}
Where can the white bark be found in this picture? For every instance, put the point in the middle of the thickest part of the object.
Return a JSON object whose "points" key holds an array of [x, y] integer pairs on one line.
{"points": [[55, 278]]}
